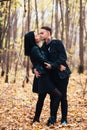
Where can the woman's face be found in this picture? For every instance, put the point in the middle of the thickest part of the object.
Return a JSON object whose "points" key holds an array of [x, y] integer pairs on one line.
{"points": [[37, 38]]}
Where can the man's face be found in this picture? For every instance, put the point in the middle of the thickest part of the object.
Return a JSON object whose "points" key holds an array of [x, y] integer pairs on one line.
{"points": [[44, 34]]}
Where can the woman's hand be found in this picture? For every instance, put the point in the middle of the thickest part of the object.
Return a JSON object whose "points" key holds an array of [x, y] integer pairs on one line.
{"points": [[47, 65], [37, 74], [62, 68]]}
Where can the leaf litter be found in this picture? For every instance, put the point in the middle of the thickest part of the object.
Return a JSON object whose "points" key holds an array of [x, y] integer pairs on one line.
{"points": [[17, 106]]}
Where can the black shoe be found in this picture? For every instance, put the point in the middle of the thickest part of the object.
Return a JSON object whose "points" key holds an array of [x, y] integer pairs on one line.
{"points": [[36, 120], [51, 121]]}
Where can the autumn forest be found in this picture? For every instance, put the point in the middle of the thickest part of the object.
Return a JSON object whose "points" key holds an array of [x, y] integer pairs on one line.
{"points": [[68, 20]]}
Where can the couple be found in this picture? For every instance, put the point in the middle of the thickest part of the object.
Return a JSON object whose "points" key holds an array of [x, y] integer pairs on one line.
{"points": [[51, 72]]}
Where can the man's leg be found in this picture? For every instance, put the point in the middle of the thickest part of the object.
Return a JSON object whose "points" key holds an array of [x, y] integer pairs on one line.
{"points": [[64, 109], [55, 97], [39, 106], [64, 103]]}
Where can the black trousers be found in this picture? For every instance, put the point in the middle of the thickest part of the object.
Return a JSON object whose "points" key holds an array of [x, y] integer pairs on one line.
{"points": [[55, 97]]}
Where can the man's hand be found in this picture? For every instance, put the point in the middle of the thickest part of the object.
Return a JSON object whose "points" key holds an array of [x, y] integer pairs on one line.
{"points": [[47, 65], [37, 74], [62, 67]]}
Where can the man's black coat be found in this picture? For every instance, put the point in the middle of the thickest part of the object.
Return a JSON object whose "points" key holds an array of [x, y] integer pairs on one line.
{"points": [[56, 53]]}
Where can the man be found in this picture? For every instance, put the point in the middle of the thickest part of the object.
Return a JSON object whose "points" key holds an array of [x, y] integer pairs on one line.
{"points": [[59, 70]]}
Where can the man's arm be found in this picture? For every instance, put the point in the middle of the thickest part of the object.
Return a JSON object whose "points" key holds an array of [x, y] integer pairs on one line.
{"points": [[60, 51]]}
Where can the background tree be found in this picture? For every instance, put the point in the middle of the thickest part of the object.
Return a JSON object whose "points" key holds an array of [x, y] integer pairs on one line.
{"points": [[68, 22], [37, 26], [27, 68], [56, 19], [8, 42], [62, 20], [81, 66]]}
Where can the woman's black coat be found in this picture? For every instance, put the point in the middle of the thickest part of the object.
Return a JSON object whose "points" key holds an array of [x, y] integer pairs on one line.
{"points": [[43, 84]]}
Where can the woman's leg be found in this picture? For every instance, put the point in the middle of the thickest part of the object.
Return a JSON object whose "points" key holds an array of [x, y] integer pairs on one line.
{"points": [[39, 106]]}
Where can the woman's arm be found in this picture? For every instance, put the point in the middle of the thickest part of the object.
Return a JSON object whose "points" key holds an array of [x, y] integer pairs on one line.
{"points": [[36, 53]]}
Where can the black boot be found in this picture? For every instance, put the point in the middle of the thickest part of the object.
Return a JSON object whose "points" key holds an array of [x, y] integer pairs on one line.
{"points": [[36, 119], [51, 121]]}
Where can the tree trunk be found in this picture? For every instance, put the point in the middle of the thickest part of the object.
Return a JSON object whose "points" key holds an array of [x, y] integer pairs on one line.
{"points": [[56, 19], [62, 32], [0, 33], [27, 69], [37, 25], [67, 24], [15, 25], [52, 15], [42, 17], [81, 66], [29, 17], [8, 43], [5, 26], [0, 36]]}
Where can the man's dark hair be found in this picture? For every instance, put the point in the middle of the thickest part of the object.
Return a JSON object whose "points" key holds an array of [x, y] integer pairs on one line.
{"points": [[47, 28]]}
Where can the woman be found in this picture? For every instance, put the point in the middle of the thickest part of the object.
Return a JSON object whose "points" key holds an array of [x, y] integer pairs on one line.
{"points": [[43, 84]]}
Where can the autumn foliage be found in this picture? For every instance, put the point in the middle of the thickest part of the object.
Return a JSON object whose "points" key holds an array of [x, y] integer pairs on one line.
{"points": [[17, 105]]}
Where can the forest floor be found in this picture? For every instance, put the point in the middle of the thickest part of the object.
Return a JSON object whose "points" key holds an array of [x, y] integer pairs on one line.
{"points": [[17, 106]]}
